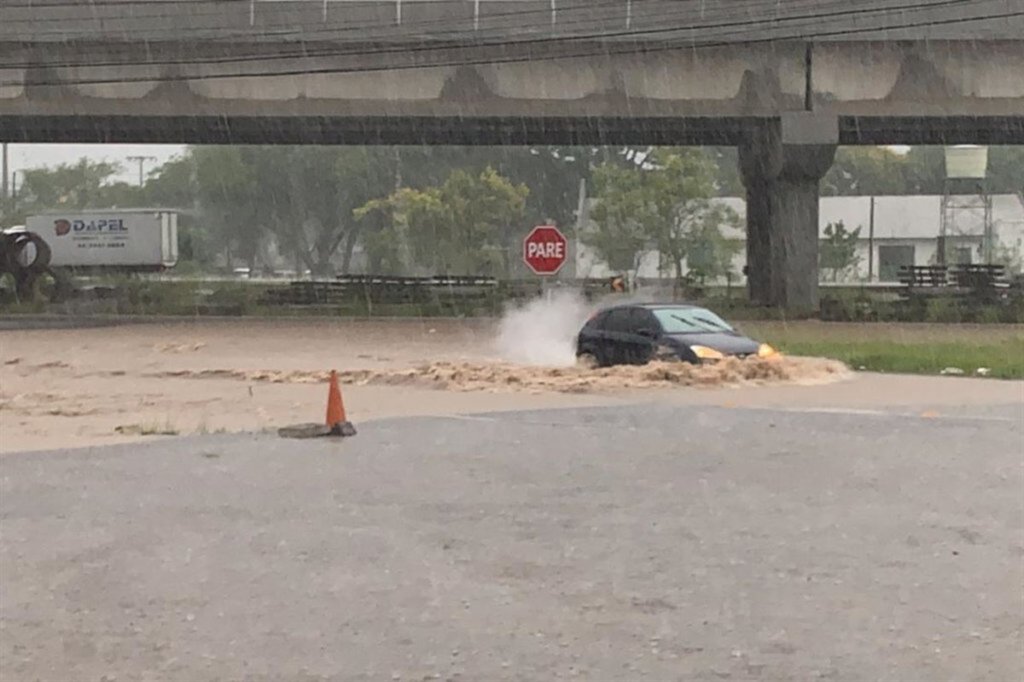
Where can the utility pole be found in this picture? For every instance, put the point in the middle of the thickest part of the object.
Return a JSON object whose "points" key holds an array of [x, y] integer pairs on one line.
{"points": [[809, 77], [141, 160], [581, 224], [871, 241], [3, 171]]}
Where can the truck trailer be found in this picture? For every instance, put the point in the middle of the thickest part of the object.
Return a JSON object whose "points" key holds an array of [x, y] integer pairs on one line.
{"points": [[114, 239]]}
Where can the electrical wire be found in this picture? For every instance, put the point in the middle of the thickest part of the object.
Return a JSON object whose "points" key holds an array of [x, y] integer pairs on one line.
{"points": [[286, 7], [541, 40], [364, 30], [735, 8], [513, 59], [478, 40], [43, 4]]}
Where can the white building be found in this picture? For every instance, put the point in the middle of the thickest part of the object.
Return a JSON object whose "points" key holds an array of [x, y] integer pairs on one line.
{"points": [[906, 230]]}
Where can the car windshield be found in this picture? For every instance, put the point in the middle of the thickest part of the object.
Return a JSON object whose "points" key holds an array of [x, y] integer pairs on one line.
{"points": [[690, 321]]}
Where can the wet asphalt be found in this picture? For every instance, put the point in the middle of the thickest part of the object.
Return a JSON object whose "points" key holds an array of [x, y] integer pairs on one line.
{"points": [[647, 542]]}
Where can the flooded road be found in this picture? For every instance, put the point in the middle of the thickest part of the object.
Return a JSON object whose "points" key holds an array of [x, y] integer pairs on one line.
{"points": [[83, 387]]}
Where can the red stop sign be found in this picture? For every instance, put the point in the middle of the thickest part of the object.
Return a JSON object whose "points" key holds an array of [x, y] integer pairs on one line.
{"points": [[545, 250]]}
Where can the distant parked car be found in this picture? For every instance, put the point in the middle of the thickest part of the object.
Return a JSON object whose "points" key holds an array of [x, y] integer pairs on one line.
{"points": [[637, 334]]}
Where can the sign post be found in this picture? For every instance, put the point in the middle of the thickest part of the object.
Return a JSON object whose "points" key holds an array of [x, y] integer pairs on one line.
{"points": [[545, 251]]}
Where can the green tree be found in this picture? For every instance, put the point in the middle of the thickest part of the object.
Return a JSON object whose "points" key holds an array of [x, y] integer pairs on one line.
{"points": [[302, 197], [229, 197], [553, 173], [1010, 256], [172, 184], [709, 253], [622, 218], [922, 170], [1006, 169], [838, 253], [72, 186], [866, 171], [926, 169], [663, 203], [305, 198], [362, 174], [309, 211], [83, 184], [461, 227], [688, 225], [728, 182]]}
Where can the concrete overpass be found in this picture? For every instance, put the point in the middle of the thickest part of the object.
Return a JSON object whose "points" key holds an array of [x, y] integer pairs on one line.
{"points": [[785, 82]]}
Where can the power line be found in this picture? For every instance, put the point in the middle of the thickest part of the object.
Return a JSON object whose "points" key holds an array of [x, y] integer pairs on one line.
{"points": [[282, 9], [279, 5], [305, 53], [363, 52], [609, 50], [540, 40], [43, 4], [365, 31], [735, 8], [694, 45]]}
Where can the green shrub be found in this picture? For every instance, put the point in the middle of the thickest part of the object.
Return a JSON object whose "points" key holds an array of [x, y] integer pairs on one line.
{"points": [[943, 310], [1013, 312], [137, 296], [988, 314]]}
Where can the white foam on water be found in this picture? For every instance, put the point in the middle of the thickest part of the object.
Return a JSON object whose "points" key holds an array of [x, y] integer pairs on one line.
{"points": [[543, 331]]}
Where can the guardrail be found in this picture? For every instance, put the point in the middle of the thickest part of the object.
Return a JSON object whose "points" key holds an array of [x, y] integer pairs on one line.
{"points": [[347, 289], [978, 281]]}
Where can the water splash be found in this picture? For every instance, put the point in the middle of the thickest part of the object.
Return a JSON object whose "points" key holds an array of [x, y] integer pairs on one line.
{"points": [[543, 331]]}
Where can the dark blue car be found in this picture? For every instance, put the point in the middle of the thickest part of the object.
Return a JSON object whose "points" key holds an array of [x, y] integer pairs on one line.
{"points": [[637, 334]]}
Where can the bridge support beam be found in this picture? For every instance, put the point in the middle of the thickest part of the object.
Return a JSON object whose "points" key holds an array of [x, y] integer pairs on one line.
{"points": [[782, 219]]}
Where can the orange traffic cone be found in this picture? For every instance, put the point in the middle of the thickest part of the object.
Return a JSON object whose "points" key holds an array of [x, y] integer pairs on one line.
{"points": [[337, 422]]}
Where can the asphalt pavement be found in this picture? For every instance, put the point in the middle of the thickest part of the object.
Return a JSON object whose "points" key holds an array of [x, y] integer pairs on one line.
{"points": [[649, 542]]}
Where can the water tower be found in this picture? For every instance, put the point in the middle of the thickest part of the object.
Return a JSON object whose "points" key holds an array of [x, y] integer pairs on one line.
{"points": [[966, 205]]}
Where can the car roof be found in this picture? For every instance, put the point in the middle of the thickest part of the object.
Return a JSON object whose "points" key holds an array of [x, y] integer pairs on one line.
{"points": [[651, 306]]}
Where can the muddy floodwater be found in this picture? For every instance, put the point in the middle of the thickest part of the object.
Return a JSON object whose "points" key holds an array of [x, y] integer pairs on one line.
{"points": [[497, 376], [89, 386]]}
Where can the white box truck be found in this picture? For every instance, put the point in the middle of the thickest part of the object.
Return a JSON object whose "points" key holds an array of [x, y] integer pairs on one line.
{"points": [[125, 239]]}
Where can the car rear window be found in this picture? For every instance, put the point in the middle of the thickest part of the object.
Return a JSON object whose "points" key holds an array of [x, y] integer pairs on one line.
{"points": [[617, 320], [641, 318], [596, 320]]}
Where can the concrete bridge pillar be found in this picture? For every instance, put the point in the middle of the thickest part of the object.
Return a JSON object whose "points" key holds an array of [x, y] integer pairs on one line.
{"points": [[782, 218]]}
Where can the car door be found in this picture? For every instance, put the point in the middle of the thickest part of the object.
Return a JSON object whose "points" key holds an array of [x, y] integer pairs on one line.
{"points": [[643, 335], [616, 336], [592, 337]]}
